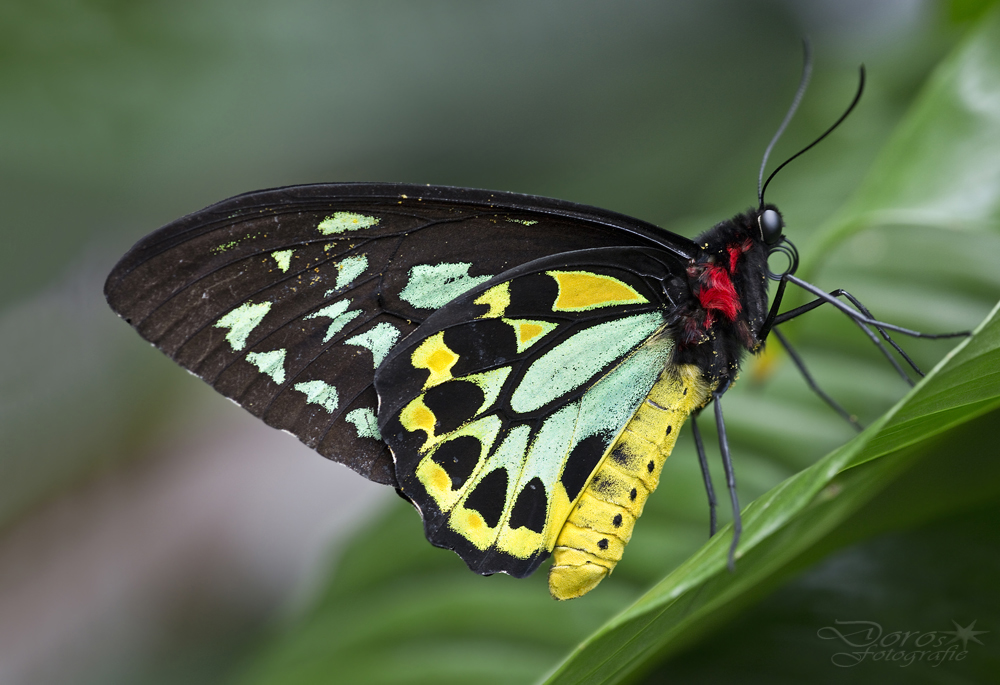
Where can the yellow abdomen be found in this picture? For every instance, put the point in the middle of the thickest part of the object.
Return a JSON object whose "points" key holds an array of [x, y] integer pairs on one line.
{"points": [[594, 536]]}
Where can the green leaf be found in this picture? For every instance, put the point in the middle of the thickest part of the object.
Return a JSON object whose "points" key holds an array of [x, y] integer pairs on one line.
{"points": [[788, 522], [942, 165]]}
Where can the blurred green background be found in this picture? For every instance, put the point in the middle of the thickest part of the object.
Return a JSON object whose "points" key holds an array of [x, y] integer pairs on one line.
{"points": [[154, 533]]}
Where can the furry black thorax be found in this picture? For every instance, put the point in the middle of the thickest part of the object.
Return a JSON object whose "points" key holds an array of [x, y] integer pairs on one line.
{"points": [[727, 282]]}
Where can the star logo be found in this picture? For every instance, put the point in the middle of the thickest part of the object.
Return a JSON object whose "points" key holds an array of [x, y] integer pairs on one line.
{"points": [[964, 634]]}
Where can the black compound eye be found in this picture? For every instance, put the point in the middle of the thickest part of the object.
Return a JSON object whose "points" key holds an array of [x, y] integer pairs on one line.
{"points": [[770, 226]]}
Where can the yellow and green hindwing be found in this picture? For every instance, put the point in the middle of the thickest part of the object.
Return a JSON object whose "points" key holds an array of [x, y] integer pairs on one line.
{"points": [[503, 407]]}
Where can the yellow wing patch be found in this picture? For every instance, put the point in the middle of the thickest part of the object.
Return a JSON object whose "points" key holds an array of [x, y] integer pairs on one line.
{"points": [[417, 416], [497, 299], [435, 356], [582, 290], [528, 332], [436, 480]]}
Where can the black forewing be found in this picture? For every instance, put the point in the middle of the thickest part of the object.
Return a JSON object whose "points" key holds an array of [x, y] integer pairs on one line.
{"points": [[290, 320]]}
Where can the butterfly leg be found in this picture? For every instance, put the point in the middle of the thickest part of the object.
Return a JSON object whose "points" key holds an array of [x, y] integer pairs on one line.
{"points": [[727, 464], [811, 382], [823, 297], [860, 320], [863, 319], [840, 292], [703, 462]]}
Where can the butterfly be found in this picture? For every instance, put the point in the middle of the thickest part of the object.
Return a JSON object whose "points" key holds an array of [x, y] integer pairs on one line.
{"points": [[518, 368]]}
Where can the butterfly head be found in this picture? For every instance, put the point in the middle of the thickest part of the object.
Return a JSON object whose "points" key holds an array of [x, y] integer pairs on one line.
{"points": [[769, 223], [770, 229]]}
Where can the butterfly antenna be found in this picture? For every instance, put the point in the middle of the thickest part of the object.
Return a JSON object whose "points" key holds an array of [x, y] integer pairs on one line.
{"points": [[803, 83], [838, 122]]}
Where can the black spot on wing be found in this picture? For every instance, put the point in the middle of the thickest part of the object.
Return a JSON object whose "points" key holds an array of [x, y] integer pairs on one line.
{"points": [[532, 295], [581, 464], [458, 458], [480, 344], [530, 507], [453, 403], [489, 497]]}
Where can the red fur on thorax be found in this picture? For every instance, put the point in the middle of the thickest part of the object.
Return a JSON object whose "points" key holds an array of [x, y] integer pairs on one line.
{"points": [[735, 251], [717, 292]]}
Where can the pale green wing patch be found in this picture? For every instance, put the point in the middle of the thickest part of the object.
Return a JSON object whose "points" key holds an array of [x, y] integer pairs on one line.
{"points": [[550, 446], [283, 258], [432, 286], [342, 222], [365, 423], [270, 363], [610, 403], [321, 393], [575, 361], [341, 317], [349, 269], [241, 322], [379, 339]]}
